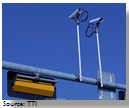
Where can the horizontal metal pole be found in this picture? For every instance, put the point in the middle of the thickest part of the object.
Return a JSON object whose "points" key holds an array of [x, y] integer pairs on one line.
{"points": [[56, 74]]}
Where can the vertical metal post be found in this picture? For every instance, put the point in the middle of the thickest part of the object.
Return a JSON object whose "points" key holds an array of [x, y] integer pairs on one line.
{"points": [[100, 68], [79, 54]]}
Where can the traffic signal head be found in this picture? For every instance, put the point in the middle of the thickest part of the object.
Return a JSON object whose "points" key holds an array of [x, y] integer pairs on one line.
{"points": [[31, 87]]}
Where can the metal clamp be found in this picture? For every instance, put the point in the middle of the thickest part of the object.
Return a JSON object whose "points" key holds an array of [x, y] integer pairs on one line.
{"points": [[77, 78], [37, 76]]}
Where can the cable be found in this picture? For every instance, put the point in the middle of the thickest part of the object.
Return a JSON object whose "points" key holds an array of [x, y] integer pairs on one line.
{"points": [[86, 16], [84, 11], [89, 26]]}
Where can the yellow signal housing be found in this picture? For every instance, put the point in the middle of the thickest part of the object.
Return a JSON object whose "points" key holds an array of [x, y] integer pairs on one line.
{"points": [[37, 88]]}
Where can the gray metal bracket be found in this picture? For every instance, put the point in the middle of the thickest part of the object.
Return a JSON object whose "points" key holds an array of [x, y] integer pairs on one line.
{"points": [[106, 93], [37, 76]]}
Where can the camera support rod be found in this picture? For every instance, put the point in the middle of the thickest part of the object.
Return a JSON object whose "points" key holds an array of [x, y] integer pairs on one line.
{"points": [[100, 68], [79, 53], [96, 23], [76, 16], [60, 75]]}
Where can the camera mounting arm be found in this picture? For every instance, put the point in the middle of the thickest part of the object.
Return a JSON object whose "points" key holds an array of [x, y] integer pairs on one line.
{"points": [[76, 16], [95, 23]]}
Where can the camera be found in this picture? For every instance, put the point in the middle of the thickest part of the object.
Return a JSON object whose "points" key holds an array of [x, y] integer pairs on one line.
{"points": [[96, 21], [76, 13]]}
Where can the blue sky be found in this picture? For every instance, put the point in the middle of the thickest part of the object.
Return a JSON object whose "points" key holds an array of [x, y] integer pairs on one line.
{"points": [[41, 35]]}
